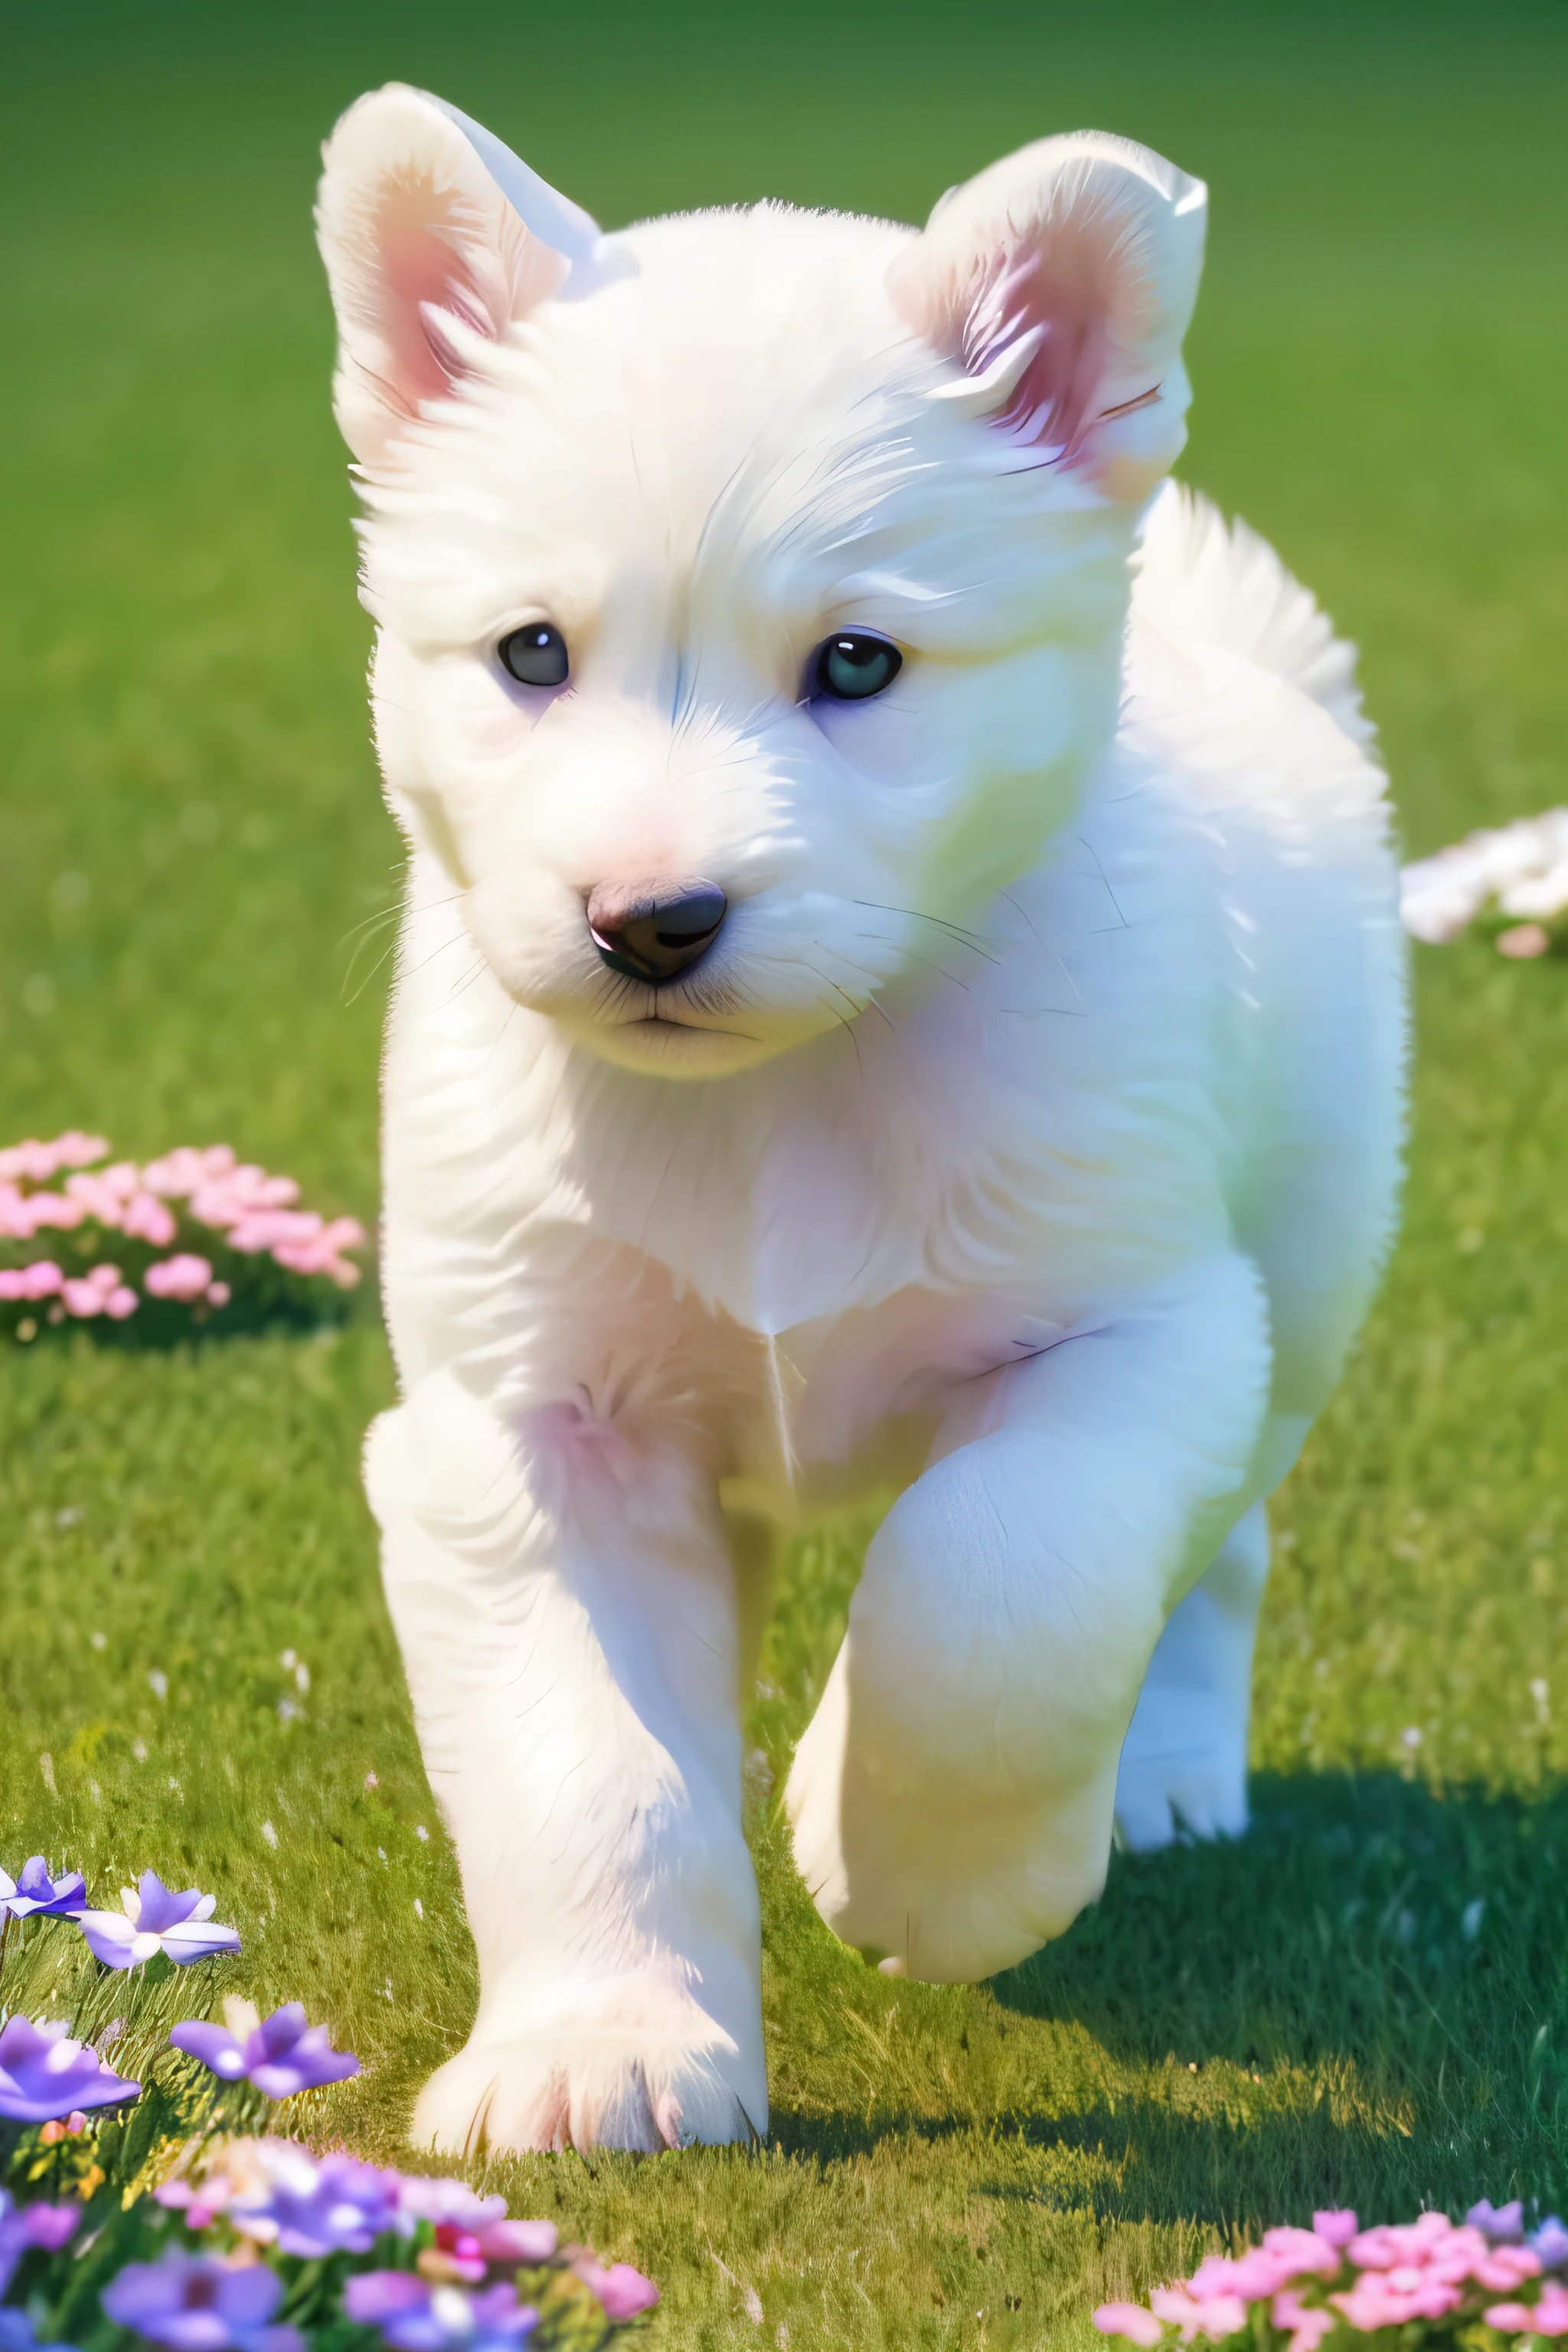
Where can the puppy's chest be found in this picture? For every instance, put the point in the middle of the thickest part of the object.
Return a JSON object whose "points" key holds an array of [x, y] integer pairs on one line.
{"points": [[854, 1401]]}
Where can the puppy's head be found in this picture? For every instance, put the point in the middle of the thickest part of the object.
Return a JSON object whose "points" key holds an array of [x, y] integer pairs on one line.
{"points": [[751, 585]]}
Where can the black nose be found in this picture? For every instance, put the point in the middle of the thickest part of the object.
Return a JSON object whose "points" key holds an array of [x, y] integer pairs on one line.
{"points": [[652, 931]]}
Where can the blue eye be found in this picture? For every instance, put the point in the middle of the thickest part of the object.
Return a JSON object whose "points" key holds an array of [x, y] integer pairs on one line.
{"points": [[854, 666], [535, 654]]}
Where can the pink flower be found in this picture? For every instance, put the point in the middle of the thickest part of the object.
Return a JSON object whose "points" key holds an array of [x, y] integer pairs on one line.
{"points": [[147, 1220], [120, 1302], [1261, 2271], [1252, 2274], [186, 1277], [1547, 2317], [92, 1294], [321, 1252], [344, 1233], [219, 1293], [314, 1261], [1335, 2229], [35, 1162], [106, 1191], [1130, 2320], [264, 1229], [242, 1192], [93, 1198], [186, 1170], [176, 1174], [1216, 2316], [200, 2206], [75, 1149], [52, 1209], [43, 1279], [1377, 2301], [22, 1160], [1504, 2267], [1410, 2241], [623, 2291], [256, 1190], [1308, 2323], [518, 2242]]}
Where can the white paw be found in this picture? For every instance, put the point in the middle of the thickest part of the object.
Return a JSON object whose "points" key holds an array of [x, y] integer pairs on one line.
{"points": [[595, 2087], [947, 1893], [1164, 1792]]}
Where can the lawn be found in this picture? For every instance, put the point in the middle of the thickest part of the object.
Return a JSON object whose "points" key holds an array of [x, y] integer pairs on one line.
{"points": [[1367, 2000]]}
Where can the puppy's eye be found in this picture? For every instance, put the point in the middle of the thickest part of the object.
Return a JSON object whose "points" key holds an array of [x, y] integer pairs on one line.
{"points": [[854, 666], [535, 654]]}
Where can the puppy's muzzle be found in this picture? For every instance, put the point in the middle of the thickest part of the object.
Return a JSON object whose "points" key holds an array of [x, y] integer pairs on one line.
{"points": [[654, 931]]}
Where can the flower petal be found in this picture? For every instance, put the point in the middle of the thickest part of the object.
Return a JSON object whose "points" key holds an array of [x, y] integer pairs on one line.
{"points": [[213, 2046]]}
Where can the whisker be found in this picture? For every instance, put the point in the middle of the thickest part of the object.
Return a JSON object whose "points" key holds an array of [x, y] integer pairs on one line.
{"points": [[911, 957], [459, 939], [845, 1023], [1104, 877], [971, 940]]}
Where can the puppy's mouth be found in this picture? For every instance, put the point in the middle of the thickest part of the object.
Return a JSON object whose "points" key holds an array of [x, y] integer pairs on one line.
{"points": [[664, 1008]]}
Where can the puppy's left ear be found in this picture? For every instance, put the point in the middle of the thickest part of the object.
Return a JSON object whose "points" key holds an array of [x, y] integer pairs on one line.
{"points": [[1061, 280]]}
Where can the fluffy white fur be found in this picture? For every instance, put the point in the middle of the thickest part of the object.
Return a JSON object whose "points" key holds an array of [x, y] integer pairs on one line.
{"points": [[1026, 1141]]}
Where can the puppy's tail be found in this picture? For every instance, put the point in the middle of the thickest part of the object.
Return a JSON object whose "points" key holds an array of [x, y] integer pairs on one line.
{"points": [[1202, 583]]}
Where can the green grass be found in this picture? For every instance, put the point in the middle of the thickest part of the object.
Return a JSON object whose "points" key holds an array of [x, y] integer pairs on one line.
{"points": [[1231, 2034]]}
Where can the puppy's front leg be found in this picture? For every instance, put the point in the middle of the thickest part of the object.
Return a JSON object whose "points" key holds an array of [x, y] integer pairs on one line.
{"points": [[565, 1605], [952, 1797]]}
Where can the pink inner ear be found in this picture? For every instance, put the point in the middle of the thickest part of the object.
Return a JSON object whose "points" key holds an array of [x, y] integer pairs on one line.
{"points": [[423, 275], [1061, 301]]}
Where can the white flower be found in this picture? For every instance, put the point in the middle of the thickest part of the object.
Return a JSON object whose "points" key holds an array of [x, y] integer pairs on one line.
{"points": [[1522, 867]]}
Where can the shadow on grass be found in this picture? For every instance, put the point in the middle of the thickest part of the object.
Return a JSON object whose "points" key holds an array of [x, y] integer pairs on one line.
{"points": [[1364, 2001], [159, 1325], [1138, 2159], [1360, 1915]]}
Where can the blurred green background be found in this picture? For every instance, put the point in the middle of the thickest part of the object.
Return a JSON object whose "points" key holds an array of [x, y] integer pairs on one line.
{"points": [[193, 863]]}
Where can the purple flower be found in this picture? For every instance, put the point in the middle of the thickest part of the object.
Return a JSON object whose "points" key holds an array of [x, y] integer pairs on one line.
{"points": [[23, 2227], [435, 2197], [281, 2056], [1502, 2226], [44, 2075], [1549, 2244], [35, 1891], [194, 2303], [414, 2316], [16, 2332], [155, 1920], [338, 2206]]}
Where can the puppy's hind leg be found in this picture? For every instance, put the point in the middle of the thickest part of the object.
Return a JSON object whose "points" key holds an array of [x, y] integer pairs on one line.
{"points": [[1184, 1762]]}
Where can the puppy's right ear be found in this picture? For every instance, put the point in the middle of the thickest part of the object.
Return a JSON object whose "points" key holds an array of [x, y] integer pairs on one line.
{"points": [[435, 238]]}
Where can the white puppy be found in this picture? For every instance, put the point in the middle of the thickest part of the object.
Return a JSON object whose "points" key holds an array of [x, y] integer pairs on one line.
{"points": [[900, 987]]}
